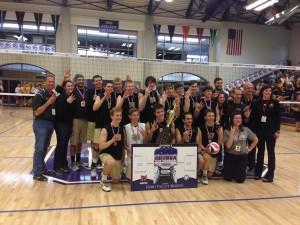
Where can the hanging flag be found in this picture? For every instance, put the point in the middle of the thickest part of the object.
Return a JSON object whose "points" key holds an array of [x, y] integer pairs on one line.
{"points": [[234, 42], [186, 31], [157, 30], [171, 29], [213, 33], [199, 34], [55, 19], [38, 20], [20, 19], [2, 17]]}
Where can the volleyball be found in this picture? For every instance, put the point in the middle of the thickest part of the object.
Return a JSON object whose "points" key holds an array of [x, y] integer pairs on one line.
{"points": [[213, 148]]}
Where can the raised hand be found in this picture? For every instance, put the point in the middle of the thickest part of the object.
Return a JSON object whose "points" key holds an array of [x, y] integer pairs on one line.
{"points": [[67, 73], [71, 98], [247, 113], [220, 131], [199, 106], [52, 99], [186, 135], [154, 126], [148, 91], [126, 95]]}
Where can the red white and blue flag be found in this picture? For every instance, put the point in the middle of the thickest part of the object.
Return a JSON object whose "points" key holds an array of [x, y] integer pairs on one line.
{"points": [[234, 42]]}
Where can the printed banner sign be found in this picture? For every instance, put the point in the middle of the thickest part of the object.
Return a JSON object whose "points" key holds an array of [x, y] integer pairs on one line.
{"points": [[167, 167], [109, 26]]}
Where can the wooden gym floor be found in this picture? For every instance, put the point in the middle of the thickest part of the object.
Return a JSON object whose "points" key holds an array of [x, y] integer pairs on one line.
{"points": [[24, 201]]}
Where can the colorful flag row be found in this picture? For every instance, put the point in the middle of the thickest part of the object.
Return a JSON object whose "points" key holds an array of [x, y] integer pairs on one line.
{"points": [[186, 30]]}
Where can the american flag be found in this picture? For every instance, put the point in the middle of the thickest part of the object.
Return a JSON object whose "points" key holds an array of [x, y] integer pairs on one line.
{"points": [[234, 43]]}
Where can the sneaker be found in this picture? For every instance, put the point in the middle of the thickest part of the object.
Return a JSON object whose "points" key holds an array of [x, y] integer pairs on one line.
{"points": [[199, 180], [66, 169], [106, 186], [204, 180], [93, 173], [59, 171], [40, 178], [74, 167], [81, 164]]}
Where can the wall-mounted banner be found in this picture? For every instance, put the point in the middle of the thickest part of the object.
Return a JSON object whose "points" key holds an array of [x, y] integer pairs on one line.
{"points": [[167, 167], [109, 26]]}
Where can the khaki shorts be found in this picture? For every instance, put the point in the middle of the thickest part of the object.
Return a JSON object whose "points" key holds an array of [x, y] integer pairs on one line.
{"points": [[116, 170], [212, 165], [79, 132], [97, 135], [90, 131], [128, 171]]}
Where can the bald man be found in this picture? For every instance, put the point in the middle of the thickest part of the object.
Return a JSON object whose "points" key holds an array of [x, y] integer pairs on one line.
{"points": [[250, 99]]}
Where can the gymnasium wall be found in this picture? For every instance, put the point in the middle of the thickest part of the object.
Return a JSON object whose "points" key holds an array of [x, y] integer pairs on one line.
{"points": [[294, 47]]}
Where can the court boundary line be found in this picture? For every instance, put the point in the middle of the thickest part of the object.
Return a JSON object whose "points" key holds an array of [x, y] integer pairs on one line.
{"points": [[150, 203]]}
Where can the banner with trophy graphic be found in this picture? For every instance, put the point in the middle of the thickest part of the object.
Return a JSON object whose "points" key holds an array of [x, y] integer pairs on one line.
{"points": [[157, 167]]}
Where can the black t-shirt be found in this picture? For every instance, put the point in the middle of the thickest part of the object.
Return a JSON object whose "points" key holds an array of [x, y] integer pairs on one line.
{"points": [[178, 122], [40, 99], [223, 112], [103, 113], [81, 103], [114, 151], [161, 126], [130, 102], [194, 133], [147, 114], [64, 110], [93, 93], [209, 134], [206, 105], [234, 107]]}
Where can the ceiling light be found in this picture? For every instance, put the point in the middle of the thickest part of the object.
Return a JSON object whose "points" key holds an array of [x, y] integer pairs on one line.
{"points": [[169, 0], [254, 4], [267, 4], [176, 49], [159, 54], [171, 48]]}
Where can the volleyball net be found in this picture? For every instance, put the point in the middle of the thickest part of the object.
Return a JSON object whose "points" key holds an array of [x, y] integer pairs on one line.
{"points": [[30, 67]]}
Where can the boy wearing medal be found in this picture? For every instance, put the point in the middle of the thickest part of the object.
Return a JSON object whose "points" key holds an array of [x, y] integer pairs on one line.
{"points": [[189, 134], [93, 93], [211, 133], [135, 133], [112, 149], [128, 100], [156, 126], [150, 98], [191, 98], [79, 133]]}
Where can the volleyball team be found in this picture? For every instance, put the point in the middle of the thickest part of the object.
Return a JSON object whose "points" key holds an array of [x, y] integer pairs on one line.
{"points": [[113, 117]]}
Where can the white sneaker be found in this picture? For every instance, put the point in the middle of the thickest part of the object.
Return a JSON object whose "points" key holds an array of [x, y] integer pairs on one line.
{"points": [[106, 186], [81, 164], [74, 167], [204, 180], [94, 173]]}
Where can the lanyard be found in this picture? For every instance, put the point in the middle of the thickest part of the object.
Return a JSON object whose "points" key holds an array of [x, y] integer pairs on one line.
{"points": [[238, 137], [169, 104], [209, 136], [130, 102], [114, 130], [206, 103], [264, 106], [82, 95], [137, 131], [191, 132]]}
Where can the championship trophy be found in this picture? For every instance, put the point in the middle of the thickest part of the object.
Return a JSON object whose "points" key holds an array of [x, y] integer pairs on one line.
{"points": [[165, 136]]}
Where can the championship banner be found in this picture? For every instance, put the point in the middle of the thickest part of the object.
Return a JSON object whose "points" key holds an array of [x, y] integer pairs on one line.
{"points": [[2, 17], [171, 29], [55, 20], [38, 20], [157, 167], [20, 19]]}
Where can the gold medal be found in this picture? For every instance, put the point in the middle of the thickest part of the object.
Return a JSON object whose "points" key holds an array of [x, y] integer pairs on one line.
{"points": [[153, 99], [209, 141], [161, 129], [132, 105], [94, 97], [115, 144], [152, 106], [119, 137], [134, 137]]}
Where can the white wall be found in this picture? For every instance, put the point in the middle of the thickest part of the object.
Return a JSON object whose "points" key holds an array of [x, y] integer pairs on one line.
{"points": [[294, 48]]}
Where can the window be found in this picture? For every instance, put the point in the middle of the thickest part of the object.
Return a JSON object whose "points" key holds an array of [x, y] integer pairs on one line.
{"points": [[28, 39], [91, 42], [181, 77], [190, 50]]}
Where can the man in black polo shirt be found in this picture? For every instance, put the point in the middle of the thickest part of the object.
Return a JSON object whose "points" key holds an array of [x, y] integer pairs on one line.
{"points": [[44, 112]]}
